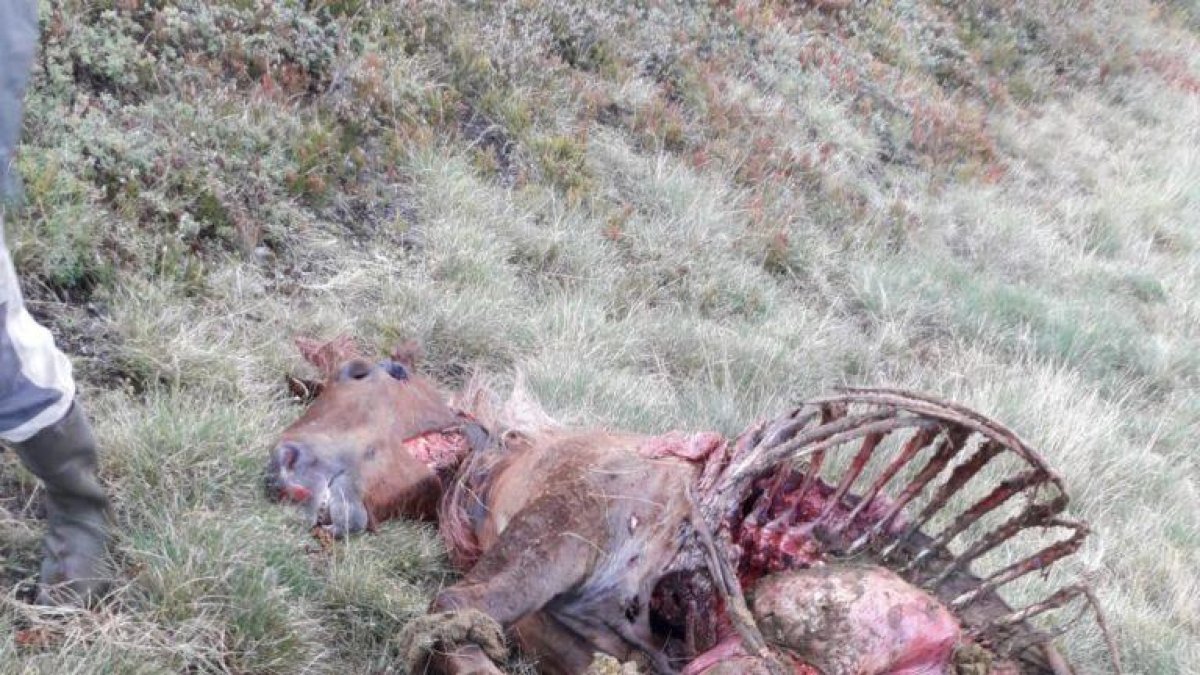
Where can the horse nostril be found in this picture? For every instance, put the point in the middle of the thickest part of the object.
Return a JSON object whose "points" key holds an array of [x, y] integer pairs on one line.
{"points": [[282, 480], [287, 455], [357, 369], [277, 477]]}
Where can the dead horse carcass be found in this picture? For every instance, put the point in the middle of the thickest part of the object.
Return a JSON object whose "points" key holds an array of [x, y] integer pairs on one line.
{"points": [[867, 532]]}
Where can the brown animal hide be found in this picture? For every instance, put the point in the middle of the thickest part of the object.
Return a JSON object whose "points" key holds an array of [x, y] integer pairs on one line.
{"points": [[579, 542]]}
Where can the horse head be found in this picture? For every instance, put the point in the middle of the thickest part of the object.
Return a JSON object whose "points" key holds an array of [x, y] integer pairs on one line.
{"points": [[378, 440]]}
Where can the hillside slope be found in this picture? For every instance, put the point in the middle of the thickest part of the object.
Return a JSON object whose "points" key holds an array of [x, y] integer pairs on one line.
{"points": [[662, 216]]}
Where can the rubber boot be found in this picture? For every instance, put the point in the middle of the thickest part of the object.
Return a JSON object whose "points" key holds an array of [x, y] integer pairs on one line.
{"points": [[63, 456]]}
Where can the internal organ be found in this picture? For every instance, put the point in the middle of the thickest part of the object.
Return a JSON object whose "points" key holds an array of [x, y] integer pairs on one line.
{"points": [[841, 620], [837, 618], [824, 619], [827, 619], [856, 620]]}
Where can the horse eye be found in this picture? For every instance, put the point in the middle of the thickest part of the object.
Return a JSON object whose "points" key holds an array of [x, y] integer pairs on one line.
{"points": [[396, 370], [355, 370]]}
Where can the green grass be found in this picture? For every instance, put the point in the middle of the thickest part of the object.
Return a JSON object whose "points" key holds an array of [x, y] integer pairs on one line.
{"points": [[659, 217]]}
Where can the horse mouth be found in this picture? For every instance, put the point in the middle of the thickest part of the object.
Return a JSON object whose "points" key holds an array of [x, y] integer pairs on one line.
{"points": [[339, 510], [333, 505]]}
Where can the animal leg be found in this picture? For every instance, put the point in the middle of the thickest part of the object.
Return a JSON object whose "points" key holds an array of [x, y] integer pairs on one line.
{"points": [[466, 642], [539, 556], [464, 660], [548, 549], [556, 648]]}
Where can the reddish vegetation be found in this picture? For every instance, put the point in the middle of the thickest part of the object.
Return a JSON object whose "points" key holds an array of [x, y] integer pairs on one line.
{"points": [[38, 637], [1173, 68], [577, 542]]}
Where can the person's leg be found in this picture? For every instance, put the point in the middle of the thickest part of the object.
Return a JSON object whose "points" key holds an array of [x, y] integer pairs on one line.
{"points": [[18, 42], [39, 417]]}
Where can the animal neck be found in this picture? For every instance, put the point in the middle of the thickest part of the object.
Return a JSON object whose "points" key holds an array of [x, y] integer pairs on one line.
{"points": [[462, 507], [441, 450]]}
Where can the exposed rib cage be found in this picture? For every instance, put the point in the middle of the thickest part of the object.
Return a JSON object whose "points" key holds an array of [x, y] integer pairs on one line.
{"points": [[897, 471]]}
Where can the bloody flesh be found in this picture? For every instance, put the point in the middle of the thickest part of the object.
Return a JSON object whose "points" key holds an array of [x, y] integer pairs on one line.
{"points": [[847, 619]]}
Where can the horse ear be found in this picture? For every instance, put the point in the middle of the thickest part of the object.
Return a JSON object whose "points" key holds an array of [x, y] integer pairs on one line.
{"points": [[304, 391], [327, 356], [408, 354]]}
